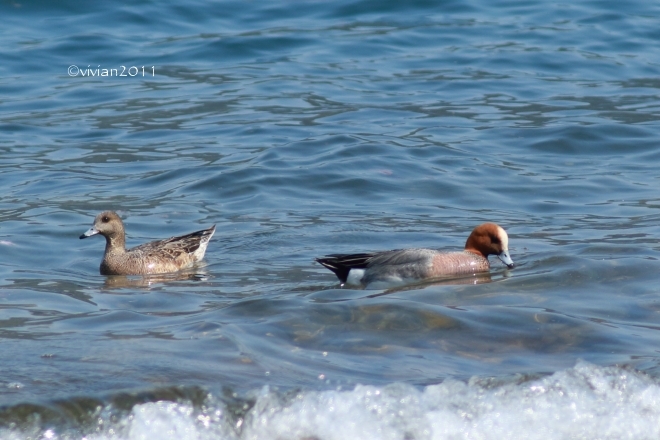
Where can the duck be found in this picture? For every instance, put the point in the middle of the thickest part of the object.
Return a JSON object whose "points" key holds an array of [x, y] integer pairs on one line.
{"points": [[156, 257], [384, 269]]}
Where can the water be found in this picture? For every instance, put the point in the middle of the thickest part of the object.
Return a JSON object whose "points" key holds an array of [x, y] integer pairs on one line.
{"points": [[307, 128]]}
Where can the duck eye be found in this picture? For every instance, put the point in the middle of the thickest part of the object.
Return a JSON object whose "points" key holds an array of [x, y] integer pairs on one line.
{"points": [[105, 219], [496, 240]]}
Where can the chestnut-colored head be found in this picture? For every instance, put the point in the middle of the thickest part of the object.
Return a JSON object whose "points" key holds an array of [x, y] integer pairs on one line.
{"points": [[490, 239], [109, 225]]}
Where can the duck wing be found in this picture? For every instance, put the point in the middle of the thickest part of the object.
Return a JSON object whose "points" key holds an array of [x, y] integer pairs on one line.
{"points": [[400, 262], [174, 247]]}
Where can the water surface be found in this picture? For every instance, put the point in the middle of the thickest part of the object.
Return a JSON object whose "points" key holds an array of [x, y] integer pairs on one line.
{"points": [[302, 129]]}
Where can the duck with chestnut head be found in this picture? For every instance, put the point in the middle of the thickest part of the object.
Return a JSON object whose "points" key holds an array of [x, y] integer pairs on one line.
{"points": [[403, 266]]}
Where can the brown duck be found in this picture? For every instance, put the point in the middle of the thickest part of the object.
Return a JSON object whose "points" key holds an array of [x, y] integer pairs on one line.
{"points": [[163, 256]]}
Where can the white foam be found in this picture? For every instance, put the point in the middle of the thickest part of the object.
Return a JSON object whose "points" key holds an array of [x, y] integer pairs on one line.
{"points": [[584, 402]]}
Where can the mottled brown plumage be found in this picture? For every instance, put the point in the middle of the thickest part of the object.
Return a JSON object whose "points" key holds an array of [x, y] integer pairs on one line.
{"points": [[163, 256]]}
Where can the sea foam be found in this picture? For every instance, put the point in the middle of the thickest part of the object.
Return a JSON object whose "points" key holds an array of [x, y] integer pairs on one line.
{"points": [[583, 402]]}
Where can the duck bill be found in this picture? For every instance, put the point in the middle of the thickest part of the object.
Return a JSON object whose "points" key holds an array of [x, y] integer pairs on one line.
{"points": [[89, 233], [506, 259]]}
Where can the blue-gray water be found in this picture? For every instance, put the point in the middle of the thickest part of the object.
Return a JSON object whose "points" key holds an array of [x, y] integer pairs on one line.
{"points": [[307, 128]]}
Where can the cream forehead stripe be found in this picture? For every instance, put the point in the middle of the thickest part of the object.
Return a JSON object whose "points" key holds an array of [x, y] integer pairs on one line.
{"points": [[503, 238]]}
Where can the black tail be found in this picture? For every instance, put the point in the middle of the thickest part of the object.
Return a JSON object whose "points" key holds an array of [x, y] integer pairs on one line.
{"points": [[341, 264]]}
